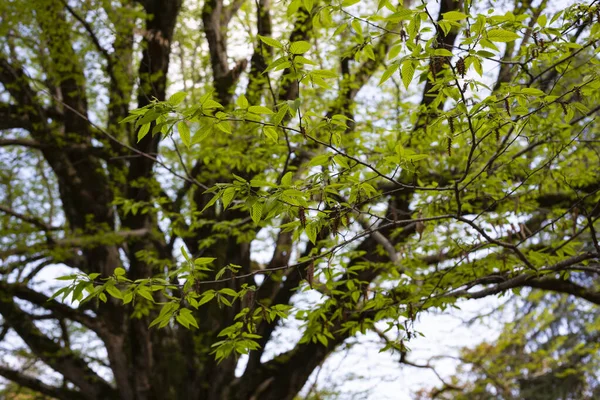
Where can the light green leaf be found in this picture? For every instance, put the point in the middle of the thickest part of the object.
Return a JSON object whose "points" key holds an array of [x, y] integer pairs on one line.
{"points": [[228, 195], [533, 92], [408, 71], [311, 232], [501, 35], [299, 47], [242, 102], [143, 131], [260, 110], [269, 41], [271, 133], [177, 98], [256, 211], [204, 260], [224, 126], [114, 292], [287, 179], [454, 16], [442, 52], [542, 21], [206, 297], [184, 133]]}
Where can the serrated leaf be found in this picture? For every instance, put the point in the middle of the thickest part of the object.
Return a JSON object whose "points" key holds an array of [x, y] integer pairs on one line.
{"points": [[283, 110], [114, 292], [311, 232], [212, 201], [187, 316], [145, 293], [242, 102], [533, 92], [389, 72], [501, 35], [442, 52], [256, 211], [357, 26], [224, 126], [203, 260], [206, 297], [129, 118], [269, 41], [287, 179], [542, 20], [177, 98], [299, 47], [260, 110], [408, 71], [143, 131], [454, 16], [184, 133], [228, 195], [271, 133]]}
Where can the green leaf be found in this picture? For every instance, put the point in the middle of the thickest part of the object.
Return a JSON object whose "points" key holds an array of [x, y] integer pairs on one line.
{"points": [[228, 292], [408, 71], [260, 110], [271, 133], [119, 271], [256, 212], [311, 232], [501, 35], [228, 195], [269, 41], [299, 47], [177, 98], [454, 16], [533, 92], [242, 102], [224, 127], [143, 131], [187, 316], [542, 20], [442, 52], [129, 118], [67, 277], [206, 297], [308, 4], [357, 26], [287, 179], [114, 292], [204, 260], [184, 133]]}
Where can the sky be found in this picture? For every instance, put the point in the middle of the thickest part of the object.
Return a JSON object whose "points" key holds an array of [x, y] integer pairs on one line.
{"points": [[361, 371]]}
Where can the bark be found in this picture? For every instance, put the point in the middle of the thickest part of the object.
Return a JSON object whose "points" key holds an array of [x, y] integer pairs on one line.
{"points": [[92, 169]]}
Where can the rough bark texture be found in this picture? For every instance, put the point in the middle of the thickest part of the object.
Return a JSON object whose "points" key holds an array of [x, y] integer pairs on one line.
{"points": [[91, 169]]}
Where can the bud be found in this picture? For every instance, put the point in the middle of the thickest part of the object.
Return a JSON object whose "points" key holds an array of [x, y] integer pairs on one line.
{"points": [[420, 227], [302, 216], [310, 274], [460, 67]]}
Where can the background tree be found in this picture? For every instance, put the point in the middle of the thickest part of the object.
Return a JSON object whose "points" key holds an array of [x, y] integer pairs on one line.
{"points": [[550, 351], [309, 147]]}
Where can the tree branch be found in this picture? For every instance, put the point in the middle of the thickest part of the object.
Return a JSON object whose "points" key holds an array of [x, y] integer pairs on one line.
{"points": [[36, 385], [60, 359]]}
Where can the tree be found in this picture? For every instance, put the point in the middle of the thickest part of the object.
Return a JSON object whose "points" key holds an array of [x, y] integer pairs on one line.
{"points": [[549, 352], [314, 152]]}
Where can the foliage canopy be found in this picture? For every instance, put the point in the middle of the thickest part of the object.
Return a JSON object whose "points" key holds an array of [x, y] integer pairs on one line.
{"points": [[200, 166]]}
